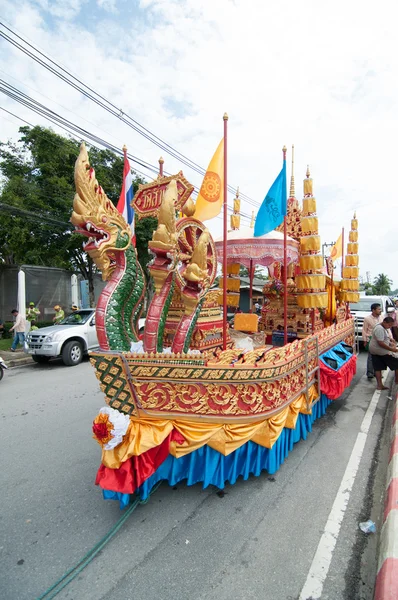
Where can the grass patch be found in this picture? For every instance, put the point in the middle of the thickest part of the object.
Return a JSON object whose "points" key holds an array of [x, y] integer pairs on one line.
{"points": [[5, 344]]}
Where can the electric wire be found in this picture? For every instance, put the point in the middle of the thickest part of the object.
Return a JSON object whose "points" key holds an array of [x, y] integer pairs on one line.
{"points": [[94, 96]]}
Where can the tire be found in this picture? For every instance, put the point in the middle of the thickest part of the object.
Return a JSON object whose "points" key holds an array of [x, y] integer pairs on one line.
{"points": [[40, 359], [1, 373], [72, 353]]}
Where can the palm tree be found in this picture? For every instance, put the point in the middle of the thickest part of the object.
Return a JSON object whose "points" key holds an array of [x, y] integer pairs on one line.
{"points": [[382, 285]]}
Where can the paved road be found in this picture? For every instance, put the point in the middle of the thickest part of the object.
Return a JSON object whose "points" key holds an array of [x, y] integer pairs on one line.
{"points": [[258, 541]]}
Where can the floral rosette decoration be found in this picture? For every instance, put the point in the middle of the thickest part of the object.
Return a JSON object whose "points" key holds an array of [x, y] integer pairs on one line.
{"points": [[276, 287], [109, 427]]}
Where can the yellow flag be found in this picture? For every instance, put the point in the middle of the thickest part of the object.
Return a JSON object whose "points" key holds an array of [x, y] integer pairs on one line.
{"points": [[337, 250], [211, 195]]}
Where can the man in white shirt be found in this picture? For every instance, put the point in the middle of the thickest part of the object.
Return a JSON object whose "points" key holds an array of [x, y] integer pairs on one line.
{"points": [[19, 327], [382, 348], [369, 323]]}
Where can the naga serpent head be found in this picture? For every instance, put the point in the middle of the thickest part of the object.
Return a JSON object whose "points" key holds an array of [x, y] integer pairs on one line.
{"points": [[95, 216]]}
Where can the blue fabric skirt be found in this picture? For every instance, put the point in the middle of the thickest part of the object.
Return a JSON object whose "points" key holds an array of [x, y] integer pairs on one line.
{"points": [[212, 468]]}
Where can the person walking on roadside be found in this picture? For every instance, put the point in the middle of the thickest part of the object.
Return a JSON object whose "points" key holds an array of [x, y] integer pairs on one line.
{"points": [[382, 349], [19, 328], [369, 324], [59, 314]]}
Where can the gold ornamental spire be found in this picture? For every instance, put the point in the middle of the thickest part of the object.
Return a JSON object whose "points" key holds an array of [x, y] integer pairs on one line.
{"points": [[311, 283], [349, 285], [292, 190], [235, 217], [308, 191]]}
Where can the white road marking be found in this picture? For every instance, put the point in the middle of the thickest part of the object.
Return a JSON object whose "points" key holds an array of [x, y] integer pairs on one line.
{"points": [[317, 574]]}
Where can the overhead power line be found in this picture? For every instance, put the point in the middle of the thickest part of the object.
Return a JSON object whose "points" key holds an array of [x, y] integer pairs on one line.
{"points": [[60, 72], [73, 129]]}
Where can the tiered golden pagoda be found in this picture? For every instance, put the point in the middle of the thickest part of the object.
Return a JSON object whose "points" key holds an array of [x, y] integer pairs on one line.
{"points": [[349, 285], [233, 269], [311, 283], [293, 216]]}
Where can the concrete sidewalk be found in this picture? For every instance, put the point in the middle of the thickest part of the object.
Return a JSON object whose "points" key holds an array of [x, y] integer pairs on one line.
{"points": [[16, 359]]}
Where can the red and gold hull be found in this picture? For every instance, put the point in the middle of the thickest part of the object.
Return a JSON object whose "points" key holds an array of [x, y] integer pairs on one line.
{"points": [[229, 388]]}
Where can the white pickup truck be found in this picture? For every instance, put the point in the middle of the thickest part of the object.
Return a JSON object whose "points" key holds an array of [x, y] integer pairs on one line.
{"points": [[70, 340]]}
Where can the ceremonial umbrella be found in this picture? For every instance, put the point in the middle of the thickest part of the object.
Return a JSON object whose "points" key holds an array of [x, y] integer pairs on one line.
{"points": [[244, 248]]}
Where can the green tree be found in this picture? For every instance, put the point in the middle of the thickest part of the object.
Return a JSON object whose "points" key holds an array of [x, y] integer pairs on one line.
{"points": [[382, 285], [36, 195]]}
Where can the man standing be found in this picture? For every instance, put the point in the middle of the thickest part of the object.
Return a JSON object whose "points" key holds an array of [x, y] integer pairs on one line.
{"points": [[19, 328], [59, 314], [32, 312], [369, 324], [381, 348]]}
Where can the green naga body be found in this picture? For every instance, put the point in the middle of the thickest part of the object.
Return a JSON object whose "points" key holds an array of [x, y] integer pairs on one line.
{"points": [[110, 247]]}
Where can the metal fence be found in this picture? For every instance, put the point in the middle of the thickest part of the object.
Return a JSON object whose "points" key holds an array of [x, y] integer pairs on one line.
{"points": [[45, 286]]}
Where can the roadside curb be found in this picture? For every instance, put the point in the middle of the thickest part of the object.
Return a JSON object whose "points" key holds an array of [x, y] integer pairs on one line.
{"points": [[387, 570], [18, 359]]}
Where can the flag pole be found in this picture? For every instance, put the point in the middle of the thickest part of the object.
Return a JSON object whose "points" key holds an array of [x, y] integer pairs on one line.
{"points": [[251, 276], [284, 269], [224, 296], [342, 251]]}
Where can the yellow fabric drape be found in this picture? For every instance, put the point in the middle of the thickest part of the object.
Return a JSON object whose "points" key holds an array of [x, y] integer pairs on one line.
{"points": [[354, 224], [353, 236], [312, 262], [309, 205], [352, 248], [310, 243], [351, 285], [332, 303], [232, 299], [352, 260], [235, 221], [233, 285], [312, 300], [145, 433], [233, 269], [350, 272], [306, 282], [349, 296], [309, 224]]}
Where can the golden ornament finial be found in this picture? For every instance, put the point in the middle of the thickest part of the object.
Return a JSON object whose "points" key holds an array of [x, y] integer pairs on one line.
{"points": [[355, 214], [308, 191], [252, 221], [225, 117], [124, 148], [161, 160], [237, 192], [292, 190]]}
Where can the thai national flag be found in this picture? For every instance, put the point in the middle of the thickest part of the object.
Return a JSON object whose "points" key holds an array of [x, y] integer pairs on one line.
{"points": [[126, 197]]}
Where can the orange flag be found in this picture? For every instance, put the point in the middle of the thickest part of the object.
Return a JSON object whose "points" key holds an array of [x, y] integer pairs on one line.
{"points": [[211, 195], [337, 250]]}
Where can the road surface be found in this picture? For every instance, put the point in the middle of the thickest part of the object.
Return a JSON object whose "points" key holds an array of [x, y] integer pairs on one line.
{"points": [[257, 541]]}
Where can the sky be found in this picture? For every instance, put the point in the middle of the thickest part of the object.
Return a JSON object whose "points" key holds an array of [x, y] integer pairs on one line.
{"points": [[319, 75]]}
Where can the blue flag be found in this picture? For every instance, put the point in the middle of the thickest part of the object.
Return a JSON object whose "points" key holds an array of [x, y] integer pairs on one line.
{"points": [[273, 208]]}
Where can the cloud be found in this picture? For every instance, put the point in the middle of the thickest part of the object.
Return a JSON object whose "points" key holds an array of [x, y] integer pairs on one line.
{"points": [[108, 5], [287, 72]]}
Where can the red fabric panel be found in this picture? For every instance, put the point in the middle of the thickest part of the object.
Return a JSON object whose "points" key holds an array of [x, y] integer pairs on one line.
{"points": [[387, 580], [391, 501], [333, 383], [133, 472]]}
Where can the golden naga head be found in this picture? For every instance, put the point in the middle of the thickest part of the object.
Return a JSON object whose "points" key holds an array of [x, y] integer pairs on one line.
{"points": [[95, 216]]}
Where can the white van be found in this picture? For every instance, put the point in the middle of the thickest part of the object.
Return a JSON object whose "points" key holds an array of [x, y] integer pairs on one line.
{"points": [[361, 309]]}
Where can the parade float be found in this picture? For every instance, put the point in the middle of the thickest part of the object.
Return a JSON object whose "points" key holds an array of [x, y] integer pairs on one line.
{"points": [[185, 402]]}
